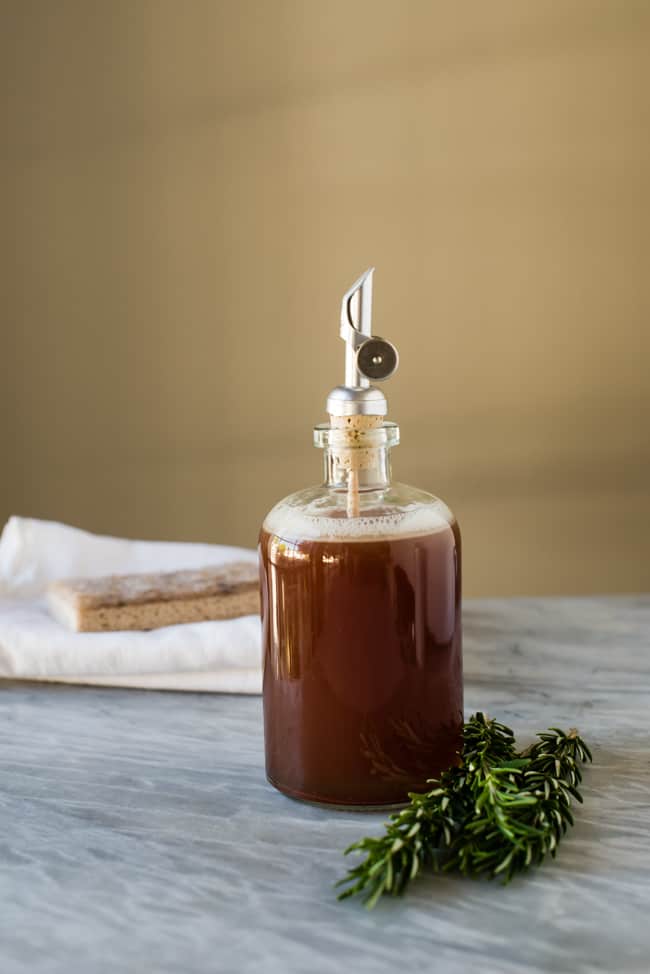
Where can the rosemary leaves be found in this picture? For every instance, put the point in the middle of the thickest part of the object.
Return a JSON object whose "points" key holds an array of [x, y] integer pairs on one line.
{"points": [[495, 814]]}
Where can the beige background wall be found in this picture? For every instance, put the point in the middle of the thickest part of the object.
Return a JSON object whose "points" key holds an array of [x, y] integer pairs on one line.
{"points": [[188, 188]]}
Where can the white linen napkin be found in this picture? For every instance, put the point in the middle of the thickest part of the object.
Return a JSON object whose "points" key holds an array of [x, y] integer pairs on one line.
{"points": [[215, 656]]}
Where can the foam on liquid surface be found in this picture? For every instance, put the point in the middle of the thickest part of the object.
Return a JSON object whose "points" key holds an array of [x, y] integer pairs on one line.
{"points": [[298, 524]]}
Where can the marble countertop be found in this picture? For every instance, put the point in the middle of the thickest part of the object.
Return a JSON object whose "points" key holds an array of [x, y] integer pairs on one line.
{"points": [[138, 833]]}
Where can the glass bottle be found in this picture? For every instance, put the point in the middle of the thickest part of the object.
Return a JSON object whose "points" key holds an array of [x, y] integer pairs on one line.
{"points": [[361, 579]]}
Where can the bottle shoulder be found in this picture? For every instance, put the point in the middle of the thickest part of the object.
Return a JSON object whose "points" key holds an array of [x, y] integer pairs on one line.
{"points": [[321, 512]]}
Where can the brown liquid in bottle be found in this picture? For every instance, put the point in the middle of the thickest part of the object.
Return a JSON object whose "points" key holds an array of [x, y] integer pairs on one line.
{"points": [[363, 691]]}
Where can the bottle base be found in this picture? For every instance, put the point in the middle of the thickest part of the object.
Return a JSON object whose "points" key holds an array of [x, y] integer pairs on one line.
{"points": [[337, 806]]}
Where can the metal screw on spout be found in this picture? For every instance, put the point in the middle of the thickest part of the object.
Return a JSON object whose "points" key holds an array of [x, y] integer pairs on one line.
{"points": [[377, 359]]}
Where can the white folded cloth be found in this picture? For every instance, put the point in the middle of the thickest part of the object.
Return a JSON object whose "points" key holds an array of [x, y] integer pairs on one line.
{"points": [[215, 656]]}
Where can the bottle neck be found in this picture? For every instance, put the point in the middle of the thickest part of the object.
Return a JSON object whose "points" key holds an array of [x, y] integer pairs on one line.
{"points": [[371, 466]]}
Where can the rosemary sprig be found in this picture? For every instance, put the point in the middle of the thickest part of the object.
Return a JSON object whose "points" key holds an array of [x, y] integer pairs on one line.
{"points": [[495, 814], [414, 836]]}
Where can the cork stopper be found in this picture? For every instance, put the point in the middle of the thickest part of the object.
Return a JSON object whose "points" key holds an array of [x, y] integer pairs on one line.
{"points": [[356, 424], [353, 457]]}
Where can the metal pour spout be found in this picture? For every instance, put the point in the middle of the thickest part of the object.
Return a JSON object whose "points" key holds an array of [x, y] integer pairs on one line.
{"points": [[366, 357]]}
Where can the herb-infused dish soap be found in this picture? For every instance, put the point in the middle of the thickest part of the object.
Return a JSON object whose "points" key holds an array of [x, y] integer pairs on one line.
{"points": [[361, 584]]}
